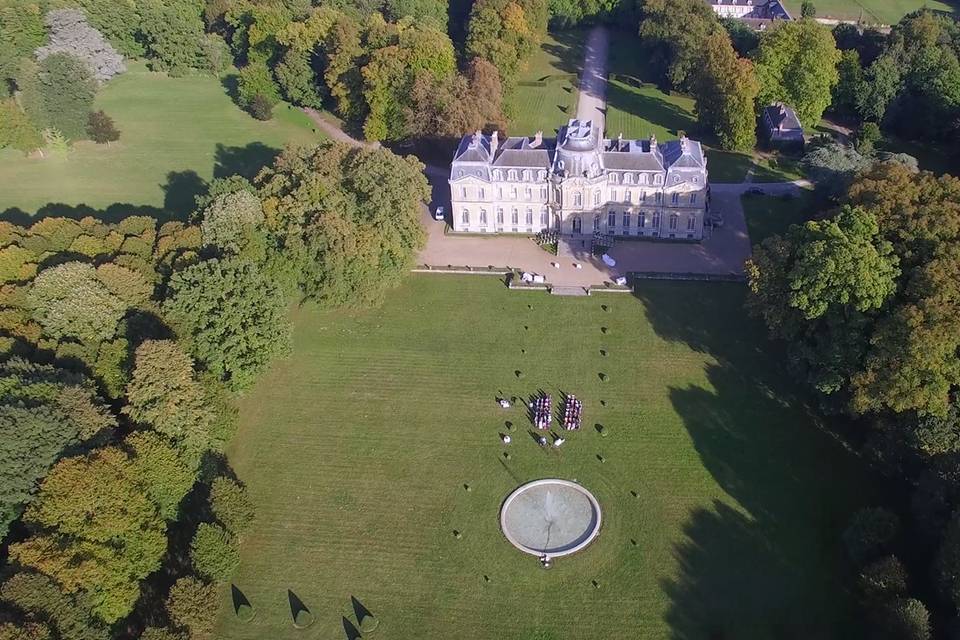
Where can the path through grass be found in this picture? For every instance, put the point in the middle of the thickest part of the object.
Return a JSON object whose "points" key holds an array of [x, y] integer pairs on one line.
{"points": [[556, 63], [722, 502], [175, 133]]}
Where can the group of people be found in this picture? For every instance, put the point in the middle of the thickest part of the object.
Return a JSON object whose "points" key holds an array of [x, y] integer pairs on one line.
{"points": [[572, 413], [541, 408]]}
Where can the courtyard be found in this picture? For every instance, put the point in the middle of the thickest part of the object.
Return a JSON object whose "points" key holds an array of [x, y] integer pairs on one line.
{"points": [[380, 437]]}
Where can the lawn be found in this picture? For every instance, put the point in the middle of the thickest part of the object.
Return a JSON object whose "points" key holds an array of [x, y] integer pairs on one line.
{"points": [[549, 97], [722, 501], [769, 215], [176, 133], [875, 11]]}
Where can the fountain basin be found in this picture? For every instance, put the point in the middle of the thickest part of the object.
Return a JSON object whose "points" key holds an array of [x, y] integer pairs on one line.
{"points": [[550, 517]]}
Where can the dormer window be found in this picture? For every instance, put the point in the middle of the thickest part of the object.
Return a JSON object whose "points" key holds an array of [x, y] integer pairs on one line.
{"points": [[542, 175], [643, 178], [676, 179], [628, 178], [460, 173], [498, 175], [513, 175], [658, 179], [527, 175], [614, 178]]}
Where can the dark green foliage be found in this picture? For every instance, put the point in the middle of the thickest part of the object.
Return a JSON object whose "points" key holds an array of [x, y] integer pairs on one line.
{"points": [[165, 472], [673, 32], [744, 38], [505, 33], [883, 579], [261, 107], [192, 606], [40, 595], [231, 505], [118, 21], [214, 552], [232, 318], [808, 10], [101, 128], [160, 633], [21, 32], [871, 532], [298, 80], [172, 32], [58, 93], [257, 81], [868, 136]]}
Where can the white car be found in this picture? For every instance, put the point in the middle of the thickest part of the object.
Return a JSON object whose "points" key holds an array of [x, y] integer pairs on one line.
{"points": [[438, 213]]}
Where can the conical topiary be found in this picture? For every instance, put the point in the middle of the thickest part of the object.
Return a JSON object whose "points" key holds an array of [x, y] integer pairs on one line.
{"points": [[245, 612], [303, 619], [368, 623]]}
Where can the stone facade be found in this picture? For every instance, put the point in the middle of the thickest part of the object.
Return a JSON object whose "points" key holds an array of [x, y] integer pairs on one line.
{"points": [[579, 184], [750, 9]]}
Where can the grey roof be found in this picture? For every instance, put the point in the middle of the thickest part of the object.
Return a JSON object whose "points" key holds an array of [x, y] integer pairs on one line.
{"points": [[473, 149], [761, 9], [682, 154], [779, 115], [519, 151], [578, 149]]}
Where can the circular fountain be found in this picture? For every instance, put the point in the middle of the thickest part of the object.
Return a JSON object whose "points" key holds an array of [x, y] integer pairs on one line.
{"points": [[550, 518]]}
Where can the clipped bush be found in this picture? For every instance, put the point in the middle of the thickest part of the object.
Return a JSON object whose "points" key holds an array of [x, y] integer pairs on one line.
{"points": [[245, 612], [261, 107], [303, 619], [368, 623], [214, 552], [870, 533]]}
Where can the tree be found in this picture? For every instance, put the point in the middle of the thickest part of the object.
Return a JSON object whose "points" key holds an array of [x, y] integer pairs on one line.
{"points": [[904, 619], [348, 217], [101, 128], [70, 33], [883, 80], [24, 631], [505, 33], [193, 606], [172, 31], [726, 89], [834, 166], [743, 37], [16, 130], [870, 532], [233, 223], [231, 505], [166, 473], [867, 136], [214, 552], [164, 394], [851, 88], [298, 79], [38, 594], [456, 105], [21, 32], [883, 579], [796, 63], [58, 93], [232, 318], [120, 22], [808, 10], [101, 532], [673, 31], [70, 301], [256, 81]]}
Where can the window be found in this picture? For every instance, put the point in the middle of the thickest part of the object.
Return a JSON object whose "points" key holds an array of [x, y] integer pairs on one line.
{"points": [[676, 198], [612, 178], [465, 218], [483, 216], [543, 193], [513, 193], [499, 193], [612, 219], [628, 196], [596, 198], [578, 199], [460, 173], [676, 179], [673, 221], [659, 198], [596, 223], [498, 175], [513, 175], [541, 175], [696, 180], [463, 192], [693, 198], [656, 220], [691, 223], [515, 217], [628, 178], [643, 178], [528, 193], [527, 176], [483, 194], [613, 195], [643, 196], [658, 179], [626, 220], [544, 218], [641, 219], [499, 216], [529, 219]]}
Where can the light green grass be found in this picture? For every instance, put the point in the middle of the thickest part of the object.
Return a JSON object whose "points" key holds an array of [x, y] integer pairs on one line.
{"points": [[356, 450], [556, 62], [168, 125], [872, 11], [769, 215]]}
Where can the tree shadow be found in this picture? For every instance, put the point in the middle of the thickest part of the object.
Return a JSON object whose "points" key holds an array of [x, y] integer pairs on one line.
{"points": [[238, 598], [360, 611], [180, 193], [350, 629], [655, 110], [765, 559], [567, 49], [296, 607], [245, 161]]}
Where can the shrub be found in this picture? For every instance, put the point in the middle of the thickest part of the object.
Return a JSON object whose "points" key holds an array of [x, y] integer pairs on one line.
{"points": [[261, 107], [883, 579], [101, 128], [870, 532], [245, 612], [368, 622], [231, 505], [192, 606], [303, 619], [214, 552]]}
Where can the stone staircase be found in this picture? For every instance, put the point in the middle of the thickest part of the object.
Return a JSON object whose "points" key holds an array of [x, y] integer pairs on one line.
{"points": [[567, 290]]}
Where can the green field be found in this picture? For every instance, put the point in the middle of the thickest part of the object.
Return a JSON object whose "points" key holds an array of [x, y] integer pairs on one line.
{"points": [[874, 11], [556, 63], [357, 448], [175, 133]]}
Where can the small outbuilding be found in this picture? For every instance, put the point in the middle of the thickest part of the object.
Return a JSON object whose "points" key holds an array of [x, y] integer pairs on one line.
{"points": [[781, 127]]}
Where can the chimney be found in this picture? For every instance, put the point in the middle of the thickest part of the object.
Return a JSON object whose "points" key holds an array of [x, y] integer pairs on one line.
{"points": [[494, 142], [620, 141], [653, 143], [537, 140]]}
